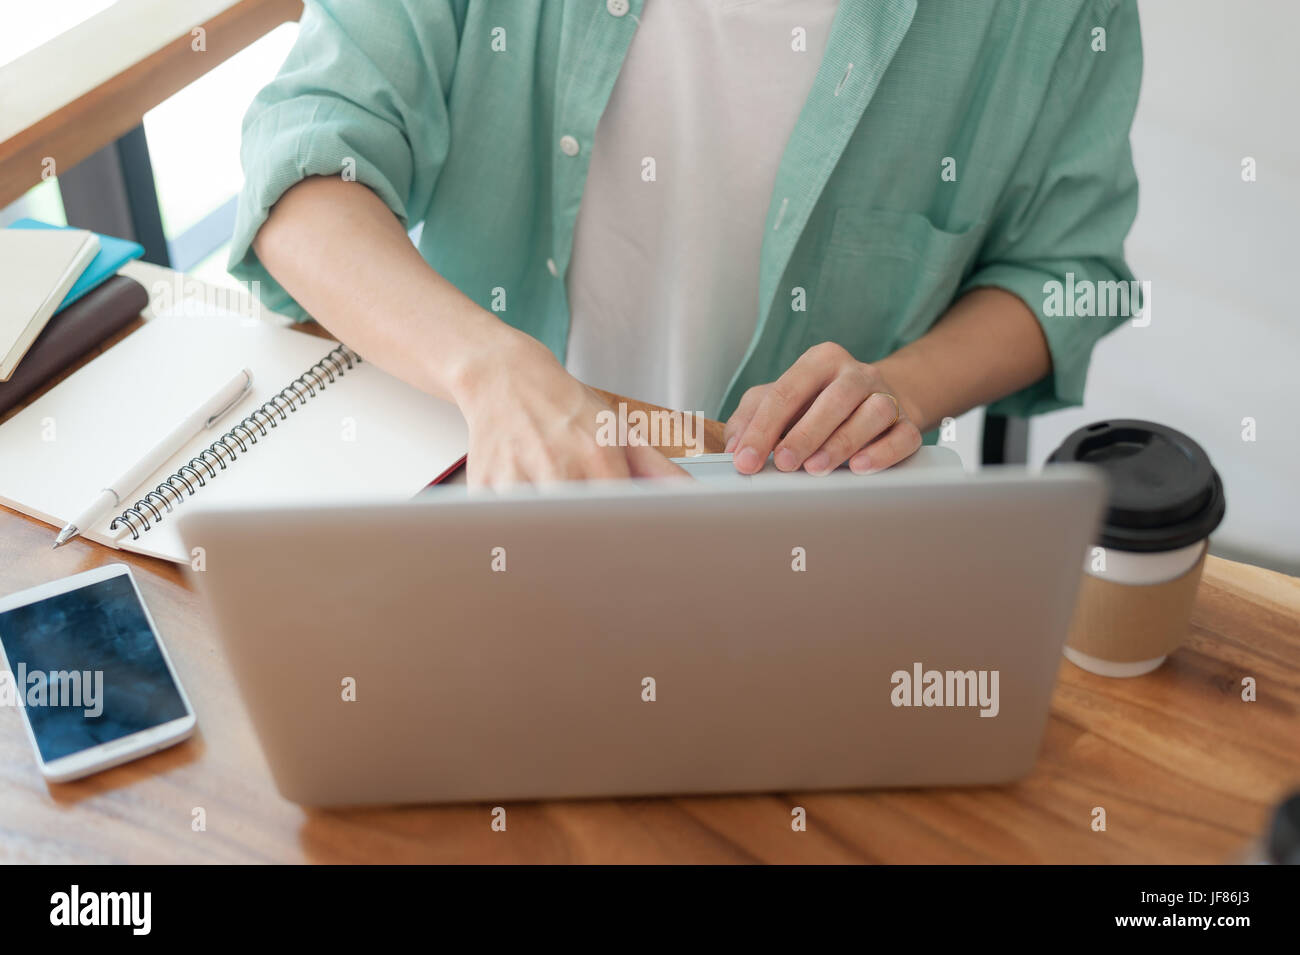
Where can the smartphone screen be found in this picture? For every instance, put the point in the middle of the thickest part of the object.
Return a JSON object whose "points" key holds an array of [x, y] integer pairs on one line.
{"points": [[88, 668]]}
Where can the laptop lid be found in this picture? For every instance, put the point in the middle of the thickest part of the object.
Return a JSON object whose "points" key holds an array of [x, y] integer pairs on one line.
{"points": [[620, 639]]}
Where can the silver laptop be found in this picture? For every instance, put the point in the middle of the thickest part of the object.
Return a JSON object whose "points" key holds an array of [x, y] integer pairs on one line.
{"points": [[902, 629]]}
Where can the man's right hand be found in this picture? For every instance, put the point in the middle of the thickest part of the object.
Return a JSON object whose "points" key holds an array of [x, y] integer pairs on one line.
{"points": [[531, 421]]}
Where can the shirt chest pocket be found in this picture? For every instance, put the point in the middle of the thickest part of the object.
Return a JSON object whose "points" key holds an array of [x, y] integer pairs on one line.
{"points": [[885, 278]]}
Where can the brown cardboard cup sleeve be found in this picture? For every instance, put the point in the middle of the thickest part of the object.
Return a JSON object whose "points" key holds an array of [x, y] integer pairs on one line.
{"points": [[1128, 623]]}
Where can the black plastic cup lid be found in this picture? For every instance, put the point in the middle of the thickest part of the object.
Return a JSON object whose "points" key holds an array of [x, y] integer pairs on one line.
{"points": [[1164, 492]]}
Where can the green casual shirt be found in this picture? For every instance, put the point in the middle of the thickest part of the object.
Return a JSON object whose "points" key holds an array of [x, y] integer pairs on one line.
{"points": [[946, 145]]}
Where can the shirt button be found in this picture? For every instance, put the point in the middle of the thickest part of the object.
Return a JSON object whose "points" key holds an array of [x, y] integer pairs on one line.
{"points": [[554, 269], [616, 8], [569, 146]]}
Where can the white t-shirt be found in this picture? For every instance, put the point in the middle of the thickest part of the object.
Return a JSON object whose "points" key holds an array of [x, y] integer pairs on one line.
{"points": [[663, 283]]}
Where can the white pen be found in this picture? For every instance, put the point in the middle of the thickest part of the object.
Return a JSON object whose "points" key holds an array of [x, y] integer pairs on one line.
{"points": [[205, 416]]}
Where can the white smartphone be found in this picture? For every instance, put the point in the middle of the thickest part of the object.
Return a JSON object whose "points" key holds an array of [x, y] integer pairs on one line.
{"points": [[90, 674]]}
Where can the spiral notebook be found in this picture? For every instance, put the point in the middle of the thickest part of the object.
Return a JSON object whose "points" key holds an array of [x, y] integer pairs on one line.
{"points": [[319, 425]]}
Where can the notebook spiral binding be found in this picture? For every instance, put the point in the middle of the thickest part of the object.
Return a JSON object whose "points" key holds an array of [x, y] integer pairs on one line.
{"points": [[217, 456]]}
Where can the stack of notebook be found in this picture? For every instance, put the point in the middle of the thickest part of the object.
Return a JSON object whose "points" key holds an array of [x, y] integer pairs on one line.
{"points": [[37, 270], [62, 298]]}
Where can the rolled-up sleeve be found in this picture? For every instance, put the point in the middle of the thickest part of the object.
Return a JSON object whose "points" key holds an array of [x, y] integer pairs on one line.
{"points": [[1067, 211], [362, 95]]}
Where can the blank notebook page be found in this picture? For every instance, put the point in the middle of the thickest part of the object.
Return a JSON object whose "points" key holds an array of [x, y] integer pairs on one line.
{"points": [[366, 436]]}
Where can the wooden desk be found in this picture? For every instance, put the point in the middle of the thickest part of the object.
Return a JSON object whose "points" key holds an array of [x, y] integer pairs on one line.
{"points": [[85, 88], [1185, 770]]}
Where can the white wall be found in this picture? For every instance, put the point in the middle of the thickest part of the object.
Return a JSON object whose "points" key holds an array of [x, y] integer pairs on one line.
{"points": [[1222, 82]]}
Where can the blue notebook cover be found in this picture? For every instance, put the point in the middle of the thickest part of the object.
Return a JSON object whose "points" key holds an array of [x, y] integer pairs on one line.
{"points": [[113, 254]]}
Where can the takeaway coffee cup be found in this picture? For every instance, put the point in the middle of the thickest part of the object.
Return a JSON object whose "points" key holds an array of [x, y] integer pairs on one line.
{"points": [[1140, 578]]}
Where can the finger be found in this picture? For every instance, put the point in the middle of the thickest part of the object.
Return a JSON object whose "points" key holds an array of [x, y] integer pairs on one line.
{"points": [[607, 464], [646, 462], [473, 474], [734, 444], [740, 418], [831, 410], [869, 421], [500, 475], [899, 442], [784, 401], [479, 470]]}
